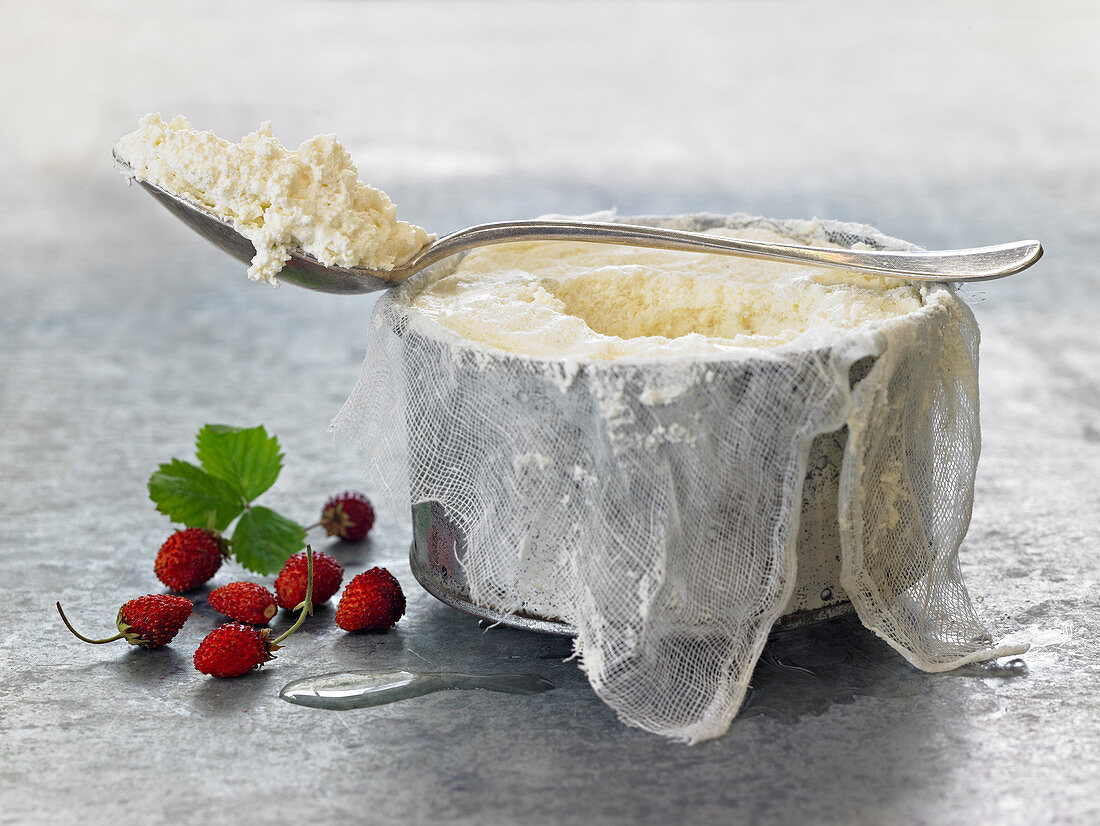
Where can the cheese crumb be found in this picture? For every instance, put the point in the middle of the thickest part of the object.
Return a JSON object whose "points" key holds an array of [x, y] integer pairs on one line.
{"points": [[311, 198]]}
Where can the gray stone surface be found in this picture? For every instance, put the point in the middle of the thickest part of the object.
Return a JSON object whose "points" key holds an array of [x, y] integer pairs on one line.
{"points": [[949, 125]]}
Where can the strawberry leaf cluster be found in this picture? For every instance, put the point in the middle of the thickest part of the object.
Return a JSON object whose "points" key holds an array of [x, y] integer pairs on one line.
{"points": [[236, 465]]}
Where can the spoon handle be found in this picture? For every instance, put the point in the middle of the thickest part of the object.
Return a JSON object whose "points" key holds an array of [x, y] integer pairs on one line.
{"points": [[978, 264]]}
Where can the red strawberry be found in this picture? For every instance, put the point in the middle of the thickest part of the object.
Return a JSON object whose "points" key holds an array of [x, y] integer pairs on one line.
{"points": [[234, 649], [245, 602], [290, 586], [189, 558], [348, 516], [150, 621], [373, 601]]}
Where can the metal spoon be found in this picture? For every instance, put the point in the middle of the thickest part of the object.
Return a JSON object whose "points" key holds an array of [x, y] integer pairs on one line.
{"points": [[979, 264]]}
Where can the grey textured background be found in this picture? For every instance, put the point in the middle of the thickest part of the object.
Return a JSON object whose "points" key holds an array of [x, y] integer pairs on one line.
{"points": [[945, 124]]}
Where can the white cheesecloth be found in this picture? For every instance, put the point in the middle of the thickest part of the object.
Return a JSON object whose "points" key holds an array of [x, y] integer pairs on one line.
{"points": [[654, 505]]}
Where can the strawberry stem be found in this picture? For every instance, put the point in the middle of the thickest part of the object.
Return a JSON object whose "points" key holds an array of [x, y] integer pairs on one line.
{"points": [[77, 634], [306, 605]]}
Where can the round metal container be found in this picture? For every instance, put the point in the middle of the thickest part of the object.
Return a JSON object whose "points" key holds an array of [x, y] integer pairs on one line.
{"points": [[439, 547]]}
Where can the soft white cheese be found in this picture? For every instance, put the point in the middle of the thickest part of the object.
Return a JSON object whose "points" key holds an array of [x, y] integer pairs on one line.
{"points": [[311, 198], [594, 301]]}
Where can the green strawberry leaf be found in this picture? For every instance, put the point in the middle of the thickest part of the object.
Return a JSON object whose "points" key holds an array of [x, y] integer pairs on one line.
{"points": [[246, 458], [189, 495], [264, 540]]}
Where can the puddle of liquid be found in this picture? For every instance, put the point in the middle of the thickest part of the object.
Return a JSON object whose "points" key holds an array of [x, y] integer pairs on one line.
{"points": [[342, 690]]}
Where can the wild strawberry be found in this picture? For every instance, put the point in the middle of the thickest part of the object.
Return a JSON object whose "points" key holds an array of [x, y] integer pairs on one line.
{"points": [[234, 649], [188, 558], [150, 621], [348, 516], [373, 601], [290, 585], [245, 602]]}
